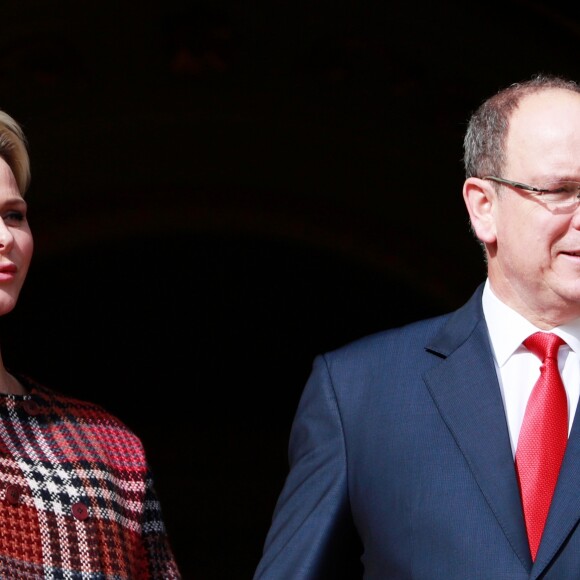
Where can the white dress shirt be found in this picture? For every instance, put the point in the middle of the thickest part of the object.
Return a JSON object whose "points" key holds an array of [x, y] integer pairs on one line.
{"points": [[518, 369]]}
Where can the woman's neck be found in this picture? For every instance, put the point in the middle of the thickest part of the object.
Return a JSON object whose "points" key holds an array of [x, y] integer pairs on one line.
{"points": [[9, 385]]}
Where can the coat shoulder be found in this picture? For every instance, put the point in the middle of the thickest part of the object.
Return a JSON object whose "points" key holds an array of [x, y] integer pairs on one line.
{"points": [[408, 337]]}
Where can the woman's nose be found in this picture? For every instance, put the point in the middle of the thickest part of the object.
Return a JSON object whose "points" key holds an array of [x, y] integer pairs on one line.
{"points": [[6, 237]]}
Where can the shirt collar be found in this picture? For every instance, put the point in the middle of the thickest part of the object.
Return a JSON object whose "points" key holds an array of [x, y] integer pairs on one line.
{"points": [[508, 329]]}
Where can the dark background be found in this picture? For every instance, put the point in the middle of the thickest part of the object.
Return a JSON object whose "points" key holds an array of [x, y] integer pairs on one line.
{"points": [[223, 190]]}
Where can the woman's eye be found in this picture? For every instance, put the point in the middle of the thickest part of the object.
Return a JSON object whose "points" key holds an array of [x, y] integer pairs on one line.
{"points": [[14, 217]]}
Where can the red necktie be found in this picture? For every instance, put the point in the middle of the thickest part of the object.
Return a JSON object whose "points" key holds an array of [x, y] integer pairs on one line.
{"points": [[543, 437]]}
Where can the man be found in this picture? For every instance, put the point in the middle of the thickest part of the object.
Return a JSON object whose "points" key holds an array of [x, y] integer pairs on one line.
{"points": [[416, 448]]}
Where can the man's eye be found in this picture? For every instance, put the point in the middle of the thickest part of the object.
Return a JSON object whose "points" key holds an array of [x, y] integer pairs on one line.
{"points": [[563, 189]]}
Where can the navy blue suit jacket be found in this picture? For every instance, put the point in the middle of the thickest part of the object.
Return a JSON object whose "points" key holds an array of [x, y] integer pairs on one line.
{"points": [[402, 437]]}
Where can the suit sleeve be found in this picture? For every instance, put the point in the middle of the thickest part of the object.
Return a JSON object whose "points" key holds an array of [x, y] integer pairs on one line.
{"points": [[311, 523]]}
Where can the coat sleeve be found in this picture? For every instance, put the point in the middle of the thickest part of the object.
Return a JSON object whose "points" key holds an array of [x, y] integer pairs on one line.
{"points": [[312, 525]]}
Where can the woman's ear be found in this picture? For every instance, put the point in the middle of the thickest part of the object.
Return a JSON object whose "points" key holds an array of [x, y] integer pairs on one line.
{"points": [[480, 199]]}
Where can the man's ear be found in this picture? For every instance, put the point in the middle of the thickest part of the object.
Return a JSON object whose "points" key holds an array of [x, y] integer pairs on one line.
{"points": [[481, 198]]}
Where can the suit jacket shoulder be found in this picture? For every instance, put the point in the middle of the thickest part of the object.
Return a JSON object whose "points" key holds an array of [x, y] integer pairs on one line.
{"points": [[400, 440]]}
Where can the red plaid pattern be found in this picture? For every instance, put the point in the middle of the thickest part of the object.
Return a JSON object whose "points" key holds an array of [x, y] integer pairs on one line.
{"points": [[76, 494]]}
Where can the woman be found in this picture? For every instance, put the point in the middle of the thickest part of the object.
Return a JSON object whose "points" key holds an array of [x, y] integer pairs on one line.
{"points": [[76, 494]]}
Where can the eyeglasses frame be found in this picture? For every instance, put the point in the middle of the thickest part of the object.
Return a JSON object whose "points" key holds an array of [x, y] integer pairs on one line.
{"points": [[523, 186]]}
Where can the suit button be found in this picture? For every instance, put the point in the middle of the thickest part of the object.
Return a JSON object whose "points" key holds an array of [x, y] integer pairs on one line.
{"points": [[31, 407], [13, 494], [80, 511]]}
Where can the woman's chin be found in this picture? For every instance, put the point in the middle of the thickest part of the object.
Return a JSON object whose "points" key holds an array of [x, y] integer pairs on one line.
{"points": [[7, 304]]}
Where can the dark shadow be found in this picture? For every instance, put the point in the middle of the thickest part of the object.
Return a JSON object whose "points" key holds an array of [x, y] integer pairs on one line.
{"points": [[202, 344]]}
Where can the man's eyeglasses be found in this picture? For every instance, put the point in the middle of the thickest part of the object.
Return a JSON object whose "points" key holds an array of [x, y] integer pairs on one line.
{"points": [[556, 195]]}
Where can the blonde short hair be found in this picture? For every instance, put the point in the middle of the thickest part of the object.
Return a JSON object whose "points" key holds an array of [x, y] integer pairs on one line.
{"points": [[14, 150]]}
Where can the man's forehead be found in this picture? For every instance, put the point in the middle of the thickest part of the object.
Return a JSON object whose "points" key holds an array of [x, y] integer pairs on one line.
{"points": [[550, 113], [543, 136], [546, 102]]}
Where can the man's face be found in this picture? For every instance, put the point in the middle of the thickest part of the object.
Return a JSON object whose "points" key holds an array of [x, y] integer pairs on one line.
{"points": [[534, 262]]}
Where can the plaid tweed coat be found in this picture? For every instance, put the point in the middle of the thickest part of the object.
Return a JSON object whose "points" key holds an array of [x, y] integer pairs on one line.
{"points": [[76, 494]]}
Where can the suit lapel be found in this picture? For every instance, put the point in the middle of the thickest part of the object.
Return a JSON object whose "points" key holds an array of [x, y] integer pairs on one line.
{"points": [[466, 391], [565, 508]]}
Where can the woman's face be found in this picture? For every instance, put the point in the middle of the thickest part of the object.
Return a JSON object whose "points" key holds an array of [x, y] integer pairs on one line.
{"points": [[16, 242]]}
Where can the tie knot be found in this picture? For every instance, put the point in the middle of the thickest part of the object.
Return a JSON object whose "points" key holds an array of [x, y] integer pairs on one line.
{"points": [[544, 344]]}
